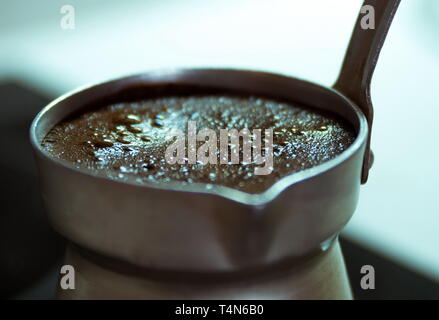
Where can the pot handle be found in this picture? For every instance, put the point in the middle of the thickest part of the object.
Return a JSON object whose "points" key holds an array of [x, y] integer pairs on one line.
{"points": [[359, 63]]}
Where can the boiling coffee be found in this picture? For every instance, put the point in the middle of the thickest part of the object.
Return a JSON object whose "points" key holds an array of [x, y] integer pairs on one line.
{"points": [[129, 140]]}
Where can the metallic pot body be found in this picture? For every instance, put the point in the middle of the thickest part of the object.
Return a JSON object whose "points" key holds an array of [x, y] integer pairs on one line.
{"points": [[189, 230]]}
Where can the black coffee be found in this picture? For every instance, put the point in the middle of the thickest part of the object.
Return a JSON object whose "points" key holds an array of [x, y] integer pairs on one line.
{"points": [[128, 140]]}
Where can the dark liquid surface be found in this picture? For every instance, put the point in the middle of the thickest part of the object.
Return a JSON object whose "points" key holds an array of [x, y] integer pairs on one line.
{"points": [[128, 140]]}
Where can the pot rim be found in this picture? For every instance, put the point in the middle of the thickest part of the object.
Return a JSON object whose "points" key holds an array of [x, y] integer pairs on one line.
{"points": [[239, 196]]}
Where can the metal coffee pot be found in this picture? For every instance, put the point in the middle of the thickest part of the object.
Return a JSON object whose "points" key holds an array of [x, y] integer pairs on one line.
{"points": [[175, 241]]}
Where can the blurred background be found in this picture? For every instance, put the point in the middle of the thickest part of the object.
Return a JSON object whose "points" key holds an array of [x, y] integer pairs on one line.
{"points": [[396, 226]]}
